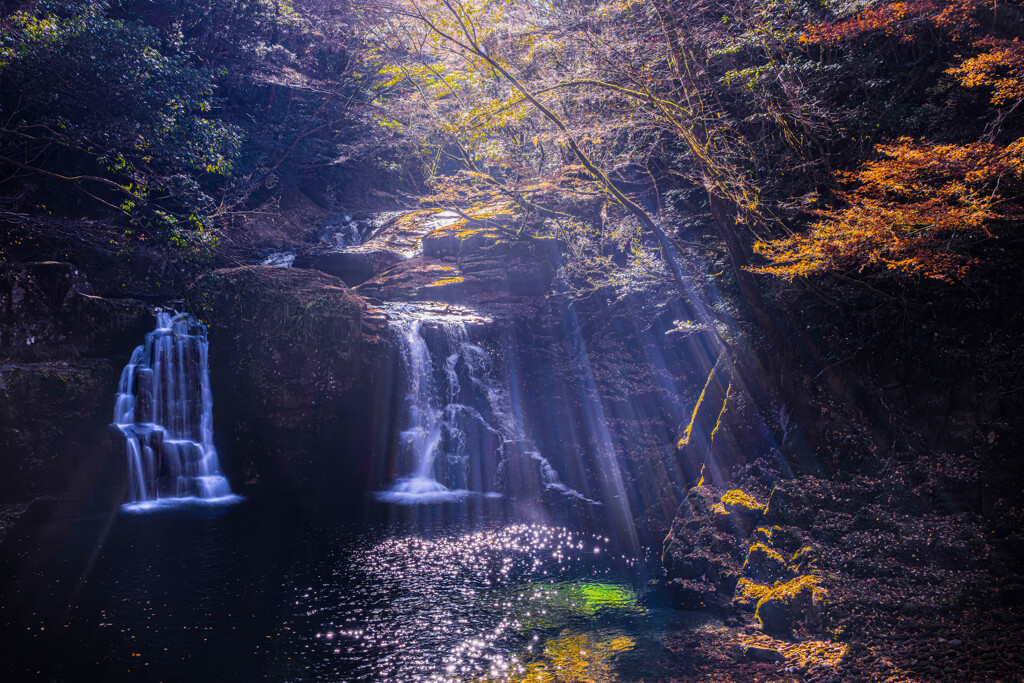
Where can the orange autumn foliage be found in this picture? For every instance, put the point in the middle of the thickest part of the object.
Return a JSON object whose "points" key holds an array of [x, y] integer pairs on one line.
{"points": [[904, 212], [900, 19], [1000, 67]]}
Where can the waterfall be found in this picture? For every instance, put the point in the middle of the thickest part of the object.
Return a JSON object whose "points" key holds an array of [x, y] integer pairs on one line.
{"points": [[459, 418], [164, 409], [426, 417]]}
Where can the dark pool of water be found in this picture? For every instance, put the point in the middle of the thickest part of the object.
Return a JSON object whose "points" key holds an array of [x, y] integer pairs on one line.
{"points": [[258, 591]]}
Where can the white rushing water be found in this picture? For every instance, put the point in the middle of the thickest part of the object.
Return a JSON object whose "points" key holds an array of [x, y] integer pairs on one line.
{"points": [[426, 415], [459, 413], [164, 409]]}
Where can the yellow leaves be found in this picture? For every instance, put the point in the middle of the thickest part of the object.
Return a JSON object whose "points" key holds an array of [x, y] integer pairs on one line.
{"points": [[394, 73], [1000, 67], [388, 123], [452, 280], [572, 657], [904, 212], [738, 497]]}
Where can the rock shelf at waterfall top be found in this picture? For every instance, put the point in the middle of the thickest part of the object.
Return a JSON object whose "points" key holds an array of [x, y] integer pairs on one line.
{"points": [[427, 312]]}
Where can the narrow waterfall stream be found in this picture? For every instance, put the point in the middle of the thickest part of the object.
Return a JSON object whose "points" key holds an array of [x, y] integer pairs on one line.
{"points": [[164, 409]]}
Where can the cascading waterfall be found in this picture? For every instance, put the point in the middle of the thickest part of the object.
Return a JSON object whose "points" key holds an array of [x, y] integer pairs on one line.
{"points": [[425, 415], [456, 404], [164, 408]]}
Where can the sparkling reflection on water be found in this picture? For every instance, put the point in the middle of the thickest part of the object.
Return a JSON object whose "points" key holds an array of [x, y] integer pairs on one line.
{"points": [[238, 597]]}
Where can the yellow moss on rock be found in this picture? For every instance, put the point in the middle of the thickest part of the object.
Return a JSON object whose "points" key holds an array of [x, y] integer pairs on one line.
{"points": [[738, 498], [800, 600], [748, 593], [453, 280], [764, 563], [791, 589], [808, 654]]}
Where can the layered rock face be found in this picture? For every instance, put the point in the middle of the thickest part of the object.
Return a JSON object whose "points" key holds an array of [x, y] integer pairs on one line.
{"points": [[61, 348], [601, 389], [301, 373], [353, 266]]}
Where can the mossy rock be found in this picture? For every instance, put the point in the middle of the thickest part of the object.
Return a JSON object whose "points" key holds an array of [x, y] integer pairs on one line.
{"points": [[799, 603], [738, 512], [764, 564], [748, 594]]}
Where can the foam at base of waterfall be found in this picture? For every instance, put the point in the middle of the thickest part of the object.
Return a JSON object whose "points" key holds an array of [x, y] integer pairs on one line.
{"points": [[279, 259], [419, 491], [188, 502]]}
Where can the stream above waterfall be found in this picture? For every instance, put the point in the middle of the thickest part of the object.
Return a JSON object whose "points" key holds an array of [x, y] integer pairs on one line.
{"points": [[256, 590]]}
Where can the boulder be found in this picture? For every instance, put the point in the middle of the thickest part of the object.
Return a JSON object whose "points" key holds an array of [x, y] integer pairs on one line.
{"points": [[765, 565], [762, 653], [301, 374], [796, 603], [739, 511], [353, 266], [698, 552]]}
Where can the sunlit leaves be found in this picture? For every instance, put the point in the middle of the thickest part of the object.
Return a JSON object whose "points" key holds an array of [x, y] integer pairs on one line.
{"points": [[1000, 67], [902, 20], [905, 212]]}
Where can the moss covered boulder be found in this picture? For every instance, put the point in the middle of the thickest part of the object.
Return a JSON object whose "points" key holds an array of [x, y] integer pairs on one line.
{"points": [[701, 555], [765, 564], [799, 603]]}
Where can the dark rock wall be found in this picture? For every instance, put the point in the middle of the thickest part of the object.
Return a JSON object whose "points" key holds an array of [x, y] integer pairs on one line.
{"points": [[302, 376], [61, 353]]}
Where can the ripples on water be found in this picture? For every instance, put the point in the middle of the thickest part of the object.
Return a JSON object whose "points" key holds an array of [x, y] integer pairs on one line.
{"points": [[448, 602]]}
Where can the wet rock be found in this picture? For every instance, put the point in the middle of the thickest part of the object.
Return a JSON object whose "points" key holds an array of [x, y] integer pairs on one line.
{"points": [[353, 266], [760, 653], [301, 374]]}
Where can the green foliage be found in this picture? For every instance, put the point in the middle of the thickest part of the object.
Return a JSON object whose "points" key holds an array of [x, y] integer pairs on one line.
{"points": [[90, 95], [177, 118]]}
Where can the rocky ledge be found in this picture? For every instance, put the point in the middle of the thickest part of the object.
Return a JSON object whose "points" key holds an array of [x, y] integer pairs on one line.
{"points": [[851, 580]]}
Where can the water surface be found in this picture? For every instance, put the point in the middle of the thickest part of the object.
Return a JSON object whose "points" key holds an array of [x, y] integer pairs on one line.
{"points": [[254, 591]]}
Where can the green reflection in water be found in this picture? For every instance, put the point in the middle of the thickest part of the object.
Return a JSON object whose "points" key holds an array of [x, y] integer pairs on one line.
{"points": [[545, 606]]}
